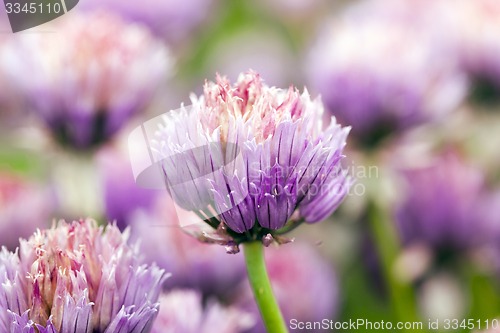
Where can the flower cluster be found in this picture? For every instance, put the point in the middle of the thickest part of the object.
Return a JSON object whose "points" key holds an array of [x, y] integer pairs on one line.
{"points": [[77, 277], [246, 157]]}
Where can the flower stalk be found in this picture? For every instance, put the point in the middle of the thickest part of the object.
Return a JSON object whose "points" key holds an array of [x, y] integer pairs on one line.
{"points": [[77, 182], [261, 287], [401, 293]]}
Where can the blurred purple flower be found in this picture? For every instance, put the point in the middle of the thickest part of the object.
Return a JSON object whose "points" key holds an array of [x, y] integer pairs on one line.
{"points": [[77, 277], [24, 207], [445, 205], [306, 287], [248, 156], [122, 196], [182, 311], [382, 74], [170, 19], [89, 77]]}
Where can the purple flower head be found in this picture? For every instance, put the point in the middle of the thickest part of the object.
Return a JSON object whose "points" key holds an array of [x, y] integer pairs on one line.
{"points": [[16, 221], [382, 74], [249, 158], [169, 19], [77, 277], [182, 311], [444, 205], [306, 287], [89, 77]]}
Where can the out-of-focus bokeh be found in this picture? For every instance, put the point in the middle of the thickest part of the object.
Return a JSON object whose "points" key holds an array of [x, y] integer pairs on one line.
{"points": [[416, 241]]}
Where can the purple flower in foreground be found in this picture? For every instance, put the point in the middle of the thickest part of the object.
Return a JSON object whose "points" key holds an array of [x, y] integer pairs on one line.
{"points": [[382, 74], [182, 311], [89, 77], [248, 156], [445, 205], [77, 277], [306, 287], [24, 207]]}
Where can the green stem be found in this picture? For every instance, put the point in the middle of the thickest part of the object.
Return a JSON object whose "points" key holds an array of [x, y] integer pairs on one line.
{"points": [[290, 226], [261, 286], [401, 292], [484, 303], [78, 184]]}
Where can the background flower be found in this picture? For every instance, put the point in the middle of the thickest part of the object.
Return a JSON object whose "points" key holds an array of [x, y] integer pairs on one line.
{"points": [[441, 204], [354, 67], [74, 78]]}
